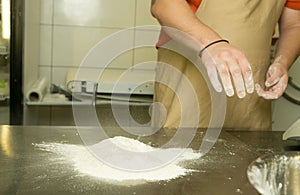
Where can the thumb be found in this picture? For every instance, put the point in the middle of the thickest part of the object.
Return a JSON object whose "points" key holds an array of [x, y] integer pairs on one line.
{"points": [[273, 76]]}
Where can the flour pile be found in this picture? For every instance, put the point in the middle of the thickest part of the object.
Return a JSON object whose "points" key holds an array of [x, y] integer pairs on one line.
{"points": [[86, 163]]}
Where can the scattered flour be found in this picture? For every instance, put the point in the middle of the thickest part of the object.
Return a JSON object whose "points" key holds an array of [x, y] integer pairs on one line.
{"points": [[86, 163]]}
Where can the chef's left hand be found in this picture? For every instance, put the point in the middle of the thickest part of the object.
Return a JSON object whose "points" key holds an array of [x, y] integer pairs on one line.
{"points": [[276, 82]]}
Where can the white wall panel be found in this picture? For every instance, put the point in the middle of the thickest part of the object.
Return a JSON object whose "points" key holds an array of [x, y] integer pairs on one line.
{"points": [[46, 11], [71, 44], [143, 13], [45, 45], [105, 13]]}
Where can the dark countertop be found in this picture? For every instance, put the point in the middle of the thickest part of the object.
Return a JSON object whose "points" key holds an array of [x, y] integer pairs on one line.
{"points": [[26, 170]]}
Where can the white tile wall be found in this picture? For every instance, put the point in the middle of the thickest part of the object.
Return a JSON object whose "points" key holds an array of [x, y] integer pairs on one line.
{"points": [[58, 75], [105, 13], [69, 29], [72, 43], [45, 45], [46, 11], [143, 15], [45, 71], [145, 38]]}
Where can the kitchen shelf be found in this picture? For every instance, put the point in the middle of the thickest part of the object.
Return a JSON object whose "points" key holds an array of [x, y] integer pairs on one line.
{"points": [[61, 100]]}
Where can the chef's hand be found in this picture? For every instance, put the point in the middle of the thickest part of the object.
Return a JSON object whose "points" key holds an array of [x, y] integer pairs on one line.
{"points": [[276, 82], [226, 61]]}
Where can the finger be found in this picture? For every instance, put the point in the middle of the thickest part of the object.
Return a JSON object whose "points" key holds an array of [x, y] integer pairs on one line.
{"points": [[262, 93], [272, 81], [277, 89], [269, 94], [238, 80], [225, 78], [247, 74], [213, 77], [273, 76], [259, 90], [280, 87]]}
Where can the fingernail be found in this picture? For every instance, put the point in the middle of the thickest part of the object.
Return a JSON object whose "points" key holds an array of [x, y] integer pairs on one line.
{"points": [[241, 94], [219, 88], [230, 92], [250, 89], [216, 86]]}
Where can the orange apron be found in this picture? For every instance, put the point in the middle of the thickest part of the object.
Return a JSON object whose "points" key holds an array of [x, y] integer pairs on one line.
{"points": [[248, 25]]}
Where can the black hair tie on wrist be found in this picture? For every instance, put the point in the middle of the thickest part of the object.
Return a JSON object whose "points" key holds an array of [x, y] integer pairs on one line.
{"points": [[218, 41]]}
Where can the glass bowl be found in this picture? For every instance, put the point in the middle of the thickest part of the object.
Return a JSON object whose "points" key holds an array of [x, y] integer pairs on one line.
{"points": [[276, 174]]}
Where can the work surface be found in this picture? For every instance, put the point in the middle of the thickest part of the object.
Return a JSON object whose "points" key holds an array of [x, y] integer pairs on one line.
{"points": [[26, 170]]}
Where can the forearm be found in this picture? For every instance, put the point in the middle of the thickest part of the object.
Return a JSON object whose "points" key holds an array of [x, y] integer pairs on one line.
{"points": [[222, 61], [177, 14], [288, 48], [287, 51]]}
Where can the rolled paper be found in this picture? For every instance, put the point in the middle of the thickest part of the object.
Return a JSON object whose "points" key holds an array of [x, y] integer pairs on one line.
{"points": [[38, 90]]}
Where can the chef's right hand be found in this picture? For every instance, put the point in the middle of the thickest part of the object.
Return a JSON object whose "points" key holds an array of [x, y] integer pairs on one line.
{"points": [[229, 63]]}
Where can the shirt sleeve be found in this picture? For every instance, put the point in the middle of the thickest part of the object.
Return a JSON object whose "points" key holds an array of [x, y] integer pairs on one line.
{"points": [[293, 4], [194, 4]]}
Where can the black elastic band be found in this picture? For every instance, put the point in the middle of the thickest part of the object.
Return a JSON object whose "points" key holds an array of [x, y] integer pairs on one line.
{"points": [[218, 41]]}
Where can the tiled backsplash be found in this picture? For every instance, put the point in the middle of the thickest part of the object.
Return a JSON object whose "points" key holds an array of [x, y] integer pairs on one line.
{"points": [[69, 29]]}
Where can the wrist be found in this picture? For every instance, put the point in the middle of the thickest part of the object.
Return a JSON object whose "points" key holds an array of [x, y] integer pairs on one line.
{"points": [[281, 61], [211, 44]]}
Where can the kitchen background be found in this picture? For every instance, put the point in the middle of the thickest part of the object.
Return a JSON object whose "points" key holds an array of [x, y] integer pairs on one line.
{"points": [[58, 35], [68, 29]]}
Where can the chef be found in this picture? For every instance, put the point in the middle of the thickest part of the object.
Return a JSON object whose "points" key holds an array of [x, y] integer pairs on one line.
{"points": [[233, 40]]}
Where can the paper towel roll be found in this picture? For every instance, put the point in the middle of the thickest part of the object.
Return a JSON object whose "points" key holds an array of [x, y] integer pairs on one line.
{"points": [[38, 90]]}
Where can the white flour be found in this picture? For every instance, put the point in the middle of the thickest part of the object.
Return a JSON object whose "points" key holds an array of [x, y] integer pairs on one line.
{"points": [[85, 163]]}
